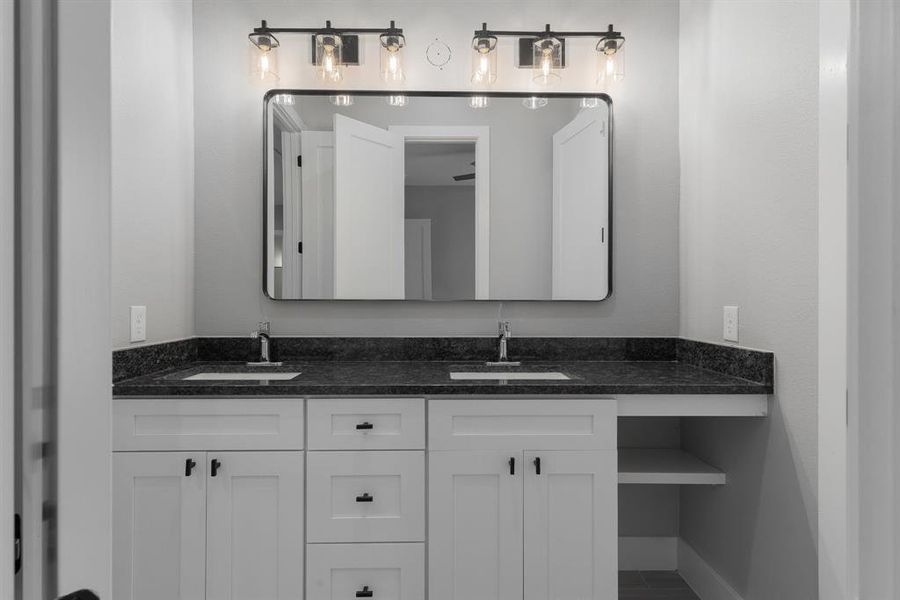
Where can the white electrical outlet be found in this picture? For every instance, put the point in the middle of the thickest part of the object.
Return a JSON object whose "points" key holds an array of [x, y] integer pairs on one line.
{"points": [[138, 323], [730, 323]]}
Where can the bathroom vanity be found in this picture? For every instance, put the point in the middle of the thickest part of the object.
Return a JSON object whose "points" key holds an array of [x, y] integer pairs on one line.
{"points": [[386, 478]]}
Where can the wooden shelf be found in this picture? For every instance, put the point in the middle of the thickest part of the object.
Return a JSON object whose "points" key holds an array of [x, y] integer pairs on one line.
{"points": [[665, 467]]}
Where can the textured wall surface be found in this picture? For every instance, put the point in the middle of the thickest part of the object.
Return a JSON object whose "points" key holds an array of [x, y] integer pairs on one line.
{"points": [[229, 148], [748, 212]]}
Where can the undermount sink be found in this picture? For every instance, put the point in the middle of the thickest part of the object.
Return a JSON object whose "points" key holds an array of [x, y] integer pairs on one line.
{"points": [[232, 376], [491, 376]]}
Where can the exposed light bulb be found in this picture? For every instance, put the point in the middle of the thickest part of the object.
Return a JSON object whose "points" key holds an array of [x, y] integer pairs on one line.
{"points": [[546, 62]]}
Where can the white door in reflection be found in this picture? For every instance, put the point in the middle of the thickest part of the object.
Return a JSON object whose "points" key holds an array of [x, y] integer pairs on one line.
{"points": [[580, 208], [368, 212]]}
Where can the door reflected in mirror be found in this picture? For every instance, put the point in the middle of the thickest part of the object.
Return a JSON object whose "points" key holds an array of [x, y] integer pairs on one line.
{"points": [[437, 199]]}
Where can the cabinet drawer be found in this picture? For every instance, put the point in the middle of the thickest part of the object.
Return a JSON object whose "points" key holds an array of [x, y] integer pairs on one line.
{"points": [[377, 571], [208, 424], [523, 424], [365, 496], [366, 424]]}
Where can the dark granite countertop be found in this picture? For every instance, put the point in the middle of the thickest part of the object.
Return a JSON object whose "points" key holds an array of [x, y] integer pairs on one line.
{"points": [[421, 378]]}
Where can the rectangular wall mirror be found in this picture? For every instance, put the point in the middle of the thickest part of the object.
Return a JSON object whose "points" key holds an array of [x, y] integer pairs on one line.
{"points": [[437, 196]]}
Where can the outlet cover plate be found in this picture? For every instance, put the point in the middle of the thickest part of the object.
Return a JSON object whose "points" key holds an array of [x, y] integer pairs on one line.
{"points": [[730, 323], [138, 323]]}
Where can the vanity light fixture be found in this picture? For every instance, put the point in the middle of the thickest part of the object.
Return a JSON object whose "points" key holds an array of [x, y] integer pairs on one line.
{"points": [[341, 100], [479, 101], [328, 61], [544, 52], [263, 54], [610, 61], [534, 102], [484, 57], [333, 49], [397, 100], [547, 59], [392, 43]]}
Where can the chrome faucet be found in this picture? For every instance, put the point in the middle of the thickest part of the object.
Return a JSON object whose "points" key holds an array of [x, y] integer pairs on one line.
{"points": [[505, 334], [264, 337]]}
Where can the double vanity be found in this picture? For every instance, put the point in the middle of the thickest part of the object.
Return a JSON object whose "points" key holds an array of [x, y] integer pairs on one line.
{"points": [[351, 471]]}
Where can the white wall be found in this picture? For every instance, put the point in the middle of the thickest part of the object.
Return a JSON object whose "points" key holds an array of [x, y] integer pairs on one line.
{"points": [[452, 213], [83, 370], [228, 110], [153, 168], [748, 215]]}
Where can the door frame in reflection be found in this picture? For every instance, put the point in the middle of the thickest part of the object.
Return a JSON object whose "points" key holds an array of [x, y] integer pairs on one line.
{"points": [[481, 136]]}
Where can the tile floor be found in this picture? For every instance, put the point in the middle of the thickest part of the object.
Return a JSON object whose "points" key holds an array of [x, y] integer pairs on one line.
{"points": [[654, 585]]}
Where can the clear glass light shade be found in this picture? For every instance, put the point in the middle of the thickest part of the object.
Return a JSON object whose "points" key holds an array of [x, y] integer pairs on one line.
{"points": [[392, 58], [263, 63], [329, 64], [341, 100], [534, 102], [610, 62], [479, 102], [547, 61], [484, 61], [397, 100]]}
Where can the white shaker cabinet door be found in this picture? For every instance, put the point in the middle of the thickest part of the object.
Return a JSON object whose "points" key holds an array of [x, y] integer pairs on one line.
{"points": [[159, 524], [475, 525], [571, 525], [254, 526]]}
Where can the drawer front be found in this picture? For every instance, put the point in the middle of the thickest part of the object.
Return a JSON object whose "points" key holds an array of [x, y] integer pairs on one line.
{"points": [[522, 424], [365, 496], [208, 424], [363, 424], [376, 571]]}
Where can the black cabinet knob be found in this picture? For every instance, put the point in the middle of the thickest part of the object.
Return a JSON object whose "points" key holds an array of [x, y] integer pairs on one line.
{"points": [[365, 592], [512, 465], [365, 498], [189, 465], [537, 465], [214, 466], [365, 425]]}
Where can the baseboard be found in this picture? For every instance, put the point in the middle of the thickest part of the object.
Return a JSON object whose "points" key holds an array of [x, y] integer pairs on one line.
{"points": [[702, 578], [648, 553]]}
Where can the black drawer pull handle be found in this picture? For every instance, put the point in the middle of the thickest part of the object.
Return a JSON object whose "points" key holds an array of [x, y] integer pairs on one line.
{"points": [[512, 465], [537, 465], [189, 465], [365, 425], [365, 592], [365, 498], [214, 467]]}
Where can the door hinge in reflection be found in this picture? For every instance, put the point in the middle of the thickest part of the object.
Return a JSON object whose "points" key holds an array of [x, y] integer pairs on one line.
{"points": [[17, 543], [299, 247], [299, 161]]}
